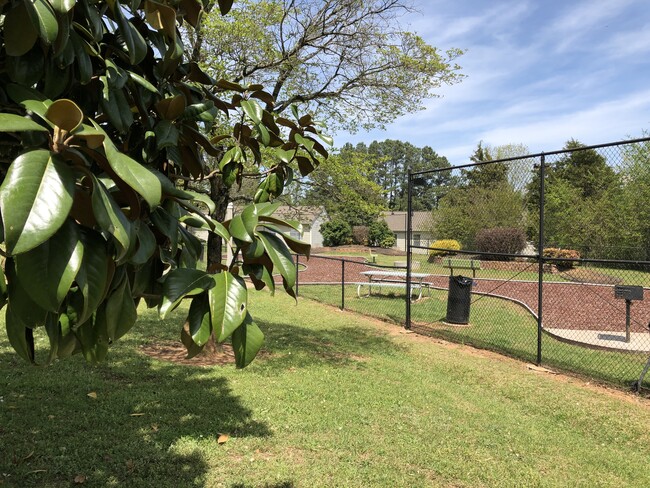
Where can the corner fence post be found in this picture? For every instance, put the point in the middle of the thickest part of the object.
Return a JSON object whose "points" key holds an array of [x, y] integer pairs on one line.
{"points": [[342, 284], [409, 228], [540, 258]]}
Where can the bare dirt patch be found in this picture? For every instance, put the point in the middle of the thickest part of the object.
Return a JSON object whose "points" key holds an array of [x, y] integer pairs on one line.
{"points": [[175, 352]]}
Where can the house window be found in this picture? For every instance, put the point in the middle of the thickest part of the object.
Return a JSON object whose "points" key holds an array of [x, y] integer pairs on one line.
{"points": [[416, 239], [295, 234]]}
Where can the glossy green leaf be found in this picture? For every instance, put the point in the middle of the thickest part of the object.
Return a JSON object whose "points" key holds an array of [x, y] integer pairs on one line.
{"points": [[93, 340], [253, 110], [53, 330], [35, 199], [120, 311], [142, 82], [192, 349], [53, 265], [166, 134], [228, 304], [132, 173], [220, 230], [180, 283], [18, 336], [146, 245], [82, 58], [198, 319], [31, 99], [242, 226], [204, 199], [44, 18], [135, 43], [266, 209], [23, 306], [260, 276], [270, 219], [116, 107], [247, 340], [20, 33], [166, 224], [296, 245], [280, 255], [110, 217], [326, 139], [17, 123], [68, 343], [62, 6], [93, 275]]}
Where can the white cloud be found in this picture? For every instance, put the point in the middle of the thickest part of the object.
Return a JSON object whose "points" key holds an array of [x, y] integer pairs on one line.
{"points": [[629, 43], [582, 19]]}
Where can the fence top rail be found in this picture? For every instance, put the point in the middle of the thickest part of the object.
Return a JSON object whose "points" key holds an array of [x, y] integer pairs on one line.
{"points": [[532, 156]]}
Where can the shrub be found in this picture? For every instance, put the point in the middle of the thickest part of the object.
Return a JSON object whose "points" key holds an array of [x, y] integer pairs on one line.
{"points": [[336, 233], [553, 252], [360, 235], [444, 247], [504, 240], [380, 235]]}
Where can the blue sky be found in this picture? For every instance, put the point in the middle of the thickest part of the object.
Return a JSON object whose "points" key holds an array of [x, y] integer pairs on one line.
{"points": [[538, 73]]}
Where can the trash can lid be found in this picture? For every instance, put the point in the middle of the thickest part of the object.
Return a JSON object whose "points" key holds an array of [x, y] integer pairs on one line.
{"points": [[462, 280]]}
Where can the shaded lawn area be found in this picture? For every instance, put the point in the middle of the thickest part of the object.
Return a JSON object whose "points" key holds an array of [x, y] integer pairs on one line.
{"points": [[337, 400]]}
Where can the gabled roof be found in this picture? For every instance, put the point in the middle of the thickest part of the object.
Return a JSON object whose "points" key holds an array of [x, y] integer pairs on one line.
{"points": [[304, 214], [397, 221]]}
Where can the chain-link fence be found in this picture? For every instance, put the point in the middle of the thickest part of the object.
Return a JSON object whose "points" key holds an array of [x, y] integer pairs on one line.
{"points": [[357, 284], [543, 257], [557, 248]]}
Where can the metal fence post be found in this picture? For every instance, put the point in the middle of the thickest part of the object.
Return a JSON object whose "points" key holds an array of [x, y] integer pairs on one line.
{"points": [[342, 284], [409, 228], [540, 258]]}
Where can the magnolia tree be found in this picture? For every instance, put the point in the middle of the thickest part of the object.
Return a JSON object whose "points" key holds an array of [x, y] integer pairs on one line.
{"points": [[103, 123]]}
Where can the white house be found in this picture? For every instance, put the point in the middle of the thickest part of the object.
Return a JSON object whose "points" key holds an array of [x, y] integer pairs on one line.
{"points": [[422, 226], [310, 217]]}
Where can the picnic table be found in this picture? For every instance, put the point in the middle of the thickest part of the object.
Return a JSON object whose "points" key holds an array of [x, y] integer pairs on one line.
{"points": [[392, 279]]}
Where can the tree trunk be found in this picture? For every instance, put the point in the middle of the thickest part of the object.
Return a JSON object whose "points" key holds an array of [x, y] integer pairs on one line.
{"points": [[220, 195]]}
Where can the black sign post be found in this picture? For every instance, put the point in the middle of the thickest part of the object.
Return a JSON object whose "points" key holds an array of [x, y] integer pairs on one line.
{"points": [[628, 293]]}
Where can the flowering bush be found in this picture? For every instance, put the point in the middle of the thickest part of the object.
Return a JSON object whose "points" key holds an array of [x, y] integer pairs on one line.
{"points": [[444, 247]]}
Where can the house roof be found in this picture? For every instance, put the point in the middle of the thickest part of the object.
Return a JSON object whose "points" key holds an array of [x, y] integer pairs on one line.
{"points": [[397, 221], [302, 213]]}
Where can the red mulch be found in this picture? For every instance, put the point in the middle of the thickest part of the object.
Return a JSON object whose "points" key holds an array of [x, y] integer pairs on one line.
{"points": [[575, 306]]}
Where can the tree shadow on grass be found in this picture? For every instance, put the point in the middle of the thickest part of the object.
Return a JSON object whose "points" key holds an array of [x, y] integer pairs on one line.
{"points": [[129, 422], [292, 346]]}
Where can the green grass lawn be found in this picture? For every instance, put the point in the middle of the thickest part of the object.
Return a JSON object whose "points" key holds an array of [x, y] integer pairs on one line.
{"points": [[496, 324], [335, 400]]}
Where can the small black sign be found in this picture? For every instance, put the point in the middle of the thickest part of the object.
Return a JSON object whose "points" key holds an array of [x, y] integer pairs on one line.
{"points": [[628, 292]]}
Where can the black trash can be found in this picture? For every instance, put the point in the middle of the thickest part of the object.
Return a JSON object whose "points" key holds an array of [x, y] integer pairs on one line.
{"points": [[459, 299]]}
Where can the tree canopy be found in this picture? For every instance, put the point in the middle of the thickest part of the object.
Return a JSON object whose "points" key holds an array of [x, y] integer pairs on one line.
{"points": [[349, 61], [102, 123], [344, 184]]}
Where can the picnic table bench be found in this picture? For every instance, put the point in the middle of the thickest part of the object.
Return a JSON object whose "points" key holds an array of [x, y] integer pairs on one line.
{"points": [[392, 279], [455, 263]]}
